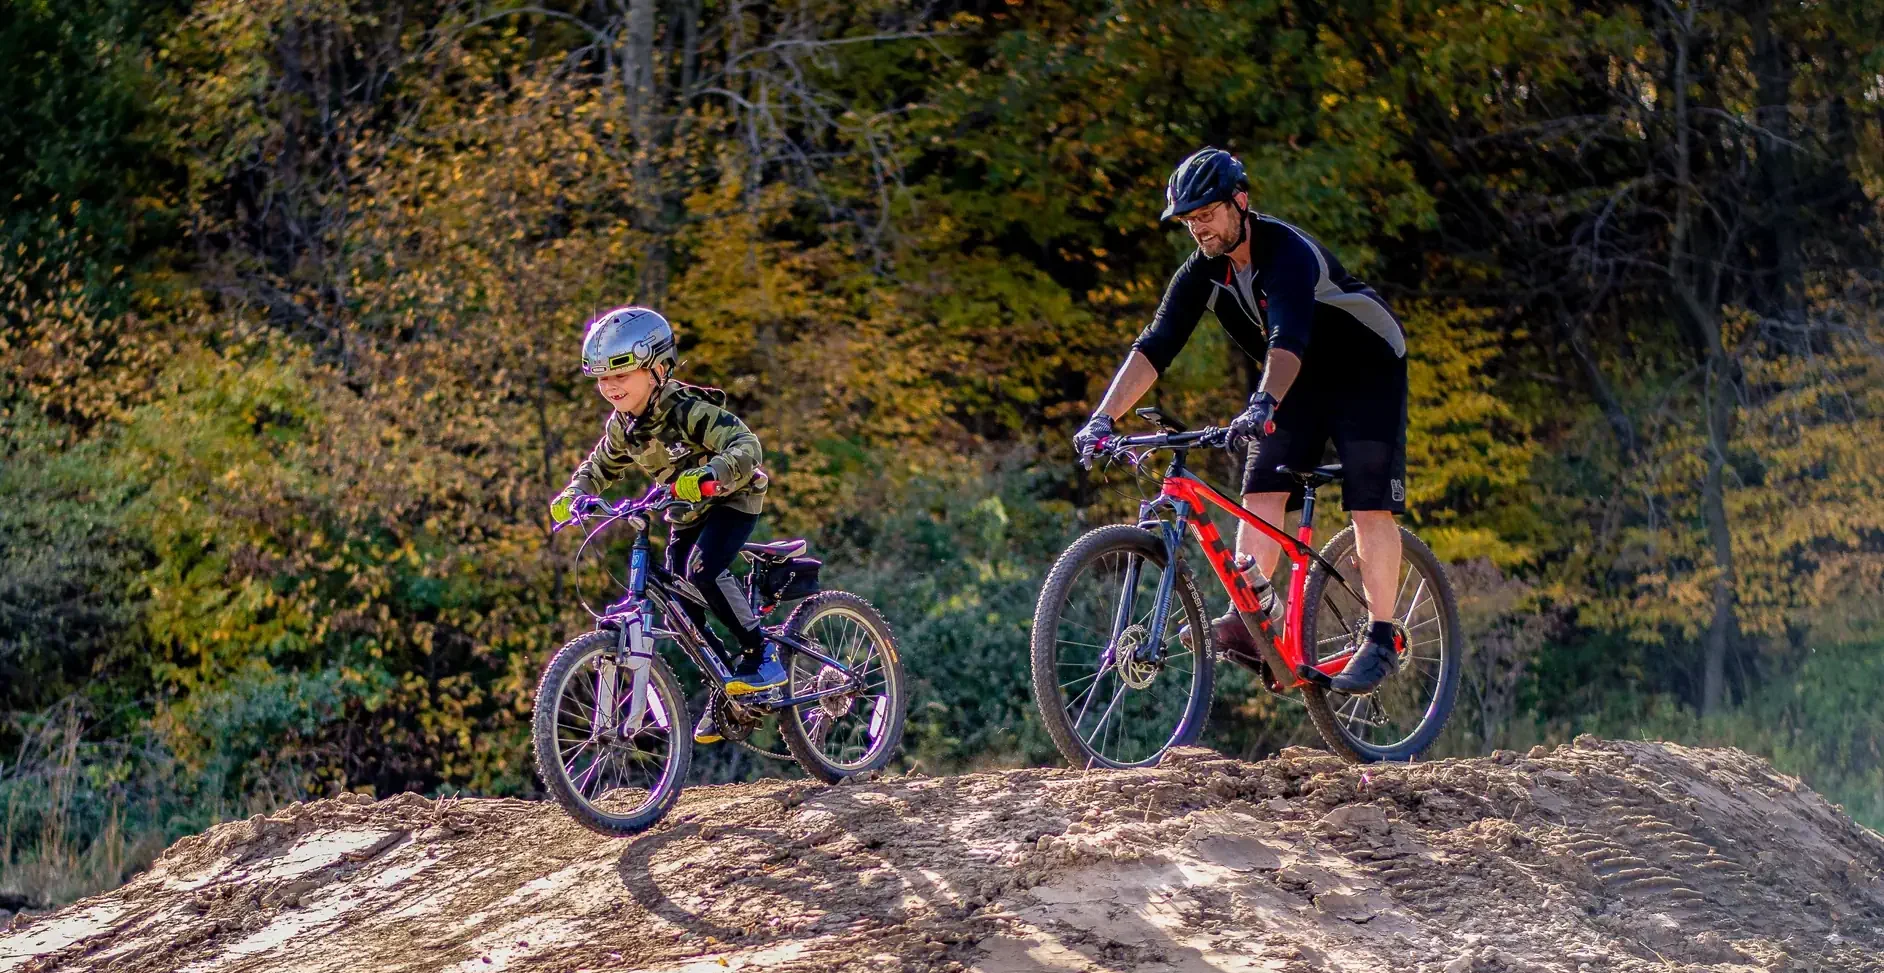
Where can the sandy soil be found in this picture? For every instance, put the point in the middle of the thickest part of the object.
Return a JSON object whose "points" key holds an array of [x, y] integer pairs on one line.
{"points": [[1592, 857]]}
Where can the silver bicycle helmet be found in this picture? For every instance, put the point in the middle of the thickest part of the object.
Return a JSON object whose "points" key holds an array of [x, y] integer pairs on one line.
{"points": [[625, 339]]}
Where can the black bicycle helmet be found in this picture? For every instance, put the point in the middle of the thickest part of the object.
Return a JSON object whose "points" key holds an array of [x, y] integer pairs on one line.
{"points": [[1208, 176]]}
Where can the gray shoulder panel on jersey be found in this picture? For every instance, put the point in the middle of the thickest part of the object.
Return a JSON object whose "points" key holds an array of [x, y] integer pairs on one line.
{"points": [[1360, 307]]}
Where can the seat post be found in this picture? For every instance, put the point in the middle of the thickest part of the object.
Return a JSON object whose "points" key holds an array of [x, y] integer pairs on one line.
{"points": [[1308, 505]]}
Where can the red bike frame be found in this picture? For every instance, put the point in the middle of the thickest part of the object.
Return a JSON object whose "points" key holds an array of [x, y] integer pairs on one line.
{"points": [[1186, 495], [1196, 493]]}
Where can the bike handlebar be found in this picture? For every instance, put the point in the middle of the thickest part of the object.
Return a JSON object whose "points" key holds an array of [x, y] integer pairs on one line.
{"points": [[658, 498], [1209, 437]]}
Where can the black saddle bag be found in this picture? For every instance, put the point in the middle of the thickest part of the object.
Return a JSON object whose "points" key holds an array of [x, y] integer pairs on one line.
{"points": [[791, 579]]}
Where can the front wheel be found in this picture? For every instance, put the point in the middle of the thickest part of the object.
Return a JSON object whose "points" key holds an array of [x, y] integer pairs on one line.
{"points": [[1108, 698], [615, 772], [852, 732], [1402, 716]]}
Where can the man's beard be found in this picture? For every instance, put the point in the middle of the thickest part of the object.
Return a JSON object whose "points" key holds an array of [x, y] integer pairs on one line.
{"points": [[1212, 246]]}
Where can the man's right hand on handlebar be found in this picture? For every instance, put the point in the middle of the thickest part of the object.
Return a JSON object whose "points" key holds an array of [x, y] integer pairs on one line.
{"points": [[1089, 437]]}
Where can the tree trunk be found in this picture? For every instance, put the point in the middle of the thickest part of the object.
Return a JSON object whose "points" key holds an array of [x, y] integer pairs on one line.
{"points": [[1783, 293], [638, 84], [1695, 292], [1723, 626]]}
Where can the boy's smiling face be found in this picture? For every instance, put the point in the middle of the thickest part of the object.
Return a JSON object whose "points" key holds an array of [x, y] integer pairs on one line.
{"points": [[627, 391]]}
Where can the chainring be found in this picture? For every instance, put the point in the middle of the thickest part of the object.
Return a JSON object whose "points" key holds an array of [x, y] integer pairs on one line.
{"points": [[736, 721]]}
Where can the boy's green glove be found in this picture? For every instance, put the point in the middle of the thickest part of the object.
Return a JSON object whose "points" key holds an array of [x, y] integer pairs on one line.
{"points": [[559, 507], [687, 487]]}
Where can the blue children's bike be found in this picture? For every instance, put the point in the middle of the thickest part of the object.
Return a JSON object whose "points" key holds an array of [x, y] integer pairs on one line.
{"points": [[611, 730]]}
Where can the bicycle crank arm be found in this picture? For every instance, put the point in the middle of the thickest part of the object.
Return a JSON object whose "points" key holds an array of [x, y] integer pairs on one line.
{"points": [[1310, 674]]}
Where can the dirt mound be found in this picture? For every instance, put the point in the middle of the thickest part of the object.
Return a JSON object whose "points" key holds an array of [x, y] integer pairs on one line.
{"points": [[1595, 856]]}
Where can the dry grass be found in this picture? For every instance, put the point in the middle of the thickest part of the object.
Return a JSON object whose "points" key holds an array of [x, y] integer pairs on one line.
{"points": [[72, 825]]}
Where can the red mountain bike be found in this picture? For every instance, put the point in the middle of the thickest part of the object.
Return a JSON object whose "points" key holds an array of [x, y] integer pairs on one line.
{"points": [[1116, 684]]}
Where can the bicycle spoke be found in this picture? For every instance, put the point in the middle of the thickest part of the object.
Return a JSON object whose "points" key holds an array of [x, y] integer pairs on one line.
{"points": [[581, 782], [1088, 628], [1107, 715], [1088, 696], [568, 752], [568, 757], [578, 732], [1417, 592]]}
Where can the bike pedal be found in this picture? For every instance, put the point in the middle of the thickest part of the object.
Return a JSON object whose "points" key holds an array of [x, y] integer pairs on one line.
{"points": [[1310, 674]]}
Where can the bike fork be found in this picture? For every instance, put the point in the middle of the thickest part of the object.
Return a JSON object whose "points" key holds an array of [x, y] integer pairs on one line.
{"points": [[634, 650], [1172, 534]]}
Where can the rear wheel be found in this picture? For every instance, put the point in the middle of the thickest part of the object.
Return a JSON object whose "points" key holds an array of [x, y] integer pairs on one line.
{"points": [[614, 773], [1402, 716], [853, 732], [1102, 701]]}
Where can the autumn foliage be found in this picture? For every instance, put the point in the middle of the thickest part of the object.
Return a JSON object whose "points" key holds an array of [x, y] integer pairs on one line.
{"points": [[290, 296]]}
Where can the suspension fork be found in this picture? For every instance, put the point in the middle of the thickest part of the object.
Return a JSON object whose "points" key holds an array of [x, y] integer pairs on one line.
{"points": [[1171, 532], [634, 651]]}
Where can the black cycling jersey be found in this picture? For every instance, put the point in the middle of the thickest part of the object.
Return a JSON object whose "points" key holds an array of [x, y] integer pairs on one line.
{"points": [[1293, 295]]}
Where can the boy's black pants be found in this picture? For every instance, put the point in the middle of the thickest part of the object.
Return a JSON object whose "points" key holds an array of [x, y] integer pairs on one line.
{"points": [[702, 552]]}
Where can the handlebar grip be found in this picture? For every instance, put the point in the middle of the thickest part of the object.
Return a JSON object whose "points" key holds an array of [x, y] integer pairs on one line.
{"points": [[709, 488]]}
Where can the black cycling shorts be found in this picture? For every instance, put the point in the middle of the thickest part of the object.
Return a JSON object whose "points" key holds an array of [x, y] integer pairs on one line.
{"points": [[1358, 403]]}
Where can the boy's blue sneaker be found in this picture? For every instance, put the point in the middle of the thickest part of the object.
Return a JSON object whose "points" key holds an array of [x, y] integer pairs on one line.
{"points": [[758, 673]]}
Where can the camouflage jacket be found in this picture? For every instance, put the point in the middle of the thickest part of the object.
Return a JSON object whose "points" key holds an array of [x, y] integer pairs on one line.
{"points": [[686, 426]]}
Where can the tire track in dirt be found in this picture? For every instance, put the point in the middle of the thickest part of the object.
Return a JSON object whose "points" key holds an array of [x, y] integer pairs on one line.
{"points": [[1590, 857]]}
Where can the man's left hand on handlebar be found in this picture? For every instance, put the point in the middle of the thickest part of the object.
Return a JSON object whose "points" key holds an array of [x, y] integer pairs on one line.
{"points": [[1256, 421]]}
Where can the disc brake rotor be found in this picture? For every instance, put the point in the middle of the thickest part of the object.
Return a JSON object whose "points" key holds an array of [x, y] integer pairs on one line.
{"points": [[1132, 671]]}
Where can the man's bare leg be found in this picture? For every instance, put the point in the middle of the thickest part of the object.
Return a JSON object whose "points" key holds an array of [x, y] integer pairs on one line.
{"points": [[1377, 546], [1271, 507]]}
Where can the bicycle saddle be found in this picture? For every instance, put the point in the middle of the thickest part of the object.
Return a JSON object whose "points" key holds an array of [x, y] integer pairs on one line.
{"points": [[777, 550], [1316, 477]]}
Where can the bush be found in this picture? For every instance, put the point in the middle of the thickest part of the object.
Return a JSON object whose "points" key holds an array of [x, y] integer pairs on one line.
{"points": [[1820, 723]]}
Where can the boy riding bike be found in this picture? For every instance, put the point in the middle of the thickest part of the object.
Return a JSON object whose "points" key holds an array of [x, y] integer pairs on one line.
{"points": [[1335, 368], [681, 435]]}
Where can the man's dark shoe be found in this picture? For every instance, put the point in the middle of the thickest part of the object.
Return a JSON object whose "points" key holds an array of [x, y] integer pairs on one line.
{"points": [[1376, 660]]}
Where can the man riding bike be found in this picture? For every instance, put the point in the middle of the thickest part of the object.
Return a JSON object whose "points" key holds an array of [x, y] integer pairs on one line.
{"points": [[1335, 368], [681, 435]]}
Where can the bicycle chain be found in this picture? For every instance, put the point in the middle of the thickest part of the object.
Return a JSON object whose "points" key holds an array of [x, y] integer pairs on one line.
{"points": [[762, 751], [741, 740]]}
